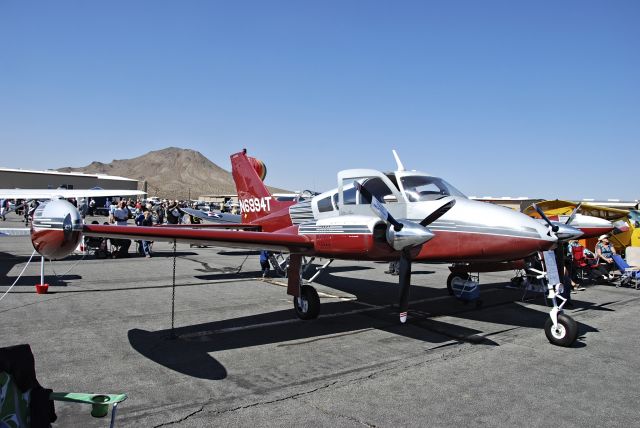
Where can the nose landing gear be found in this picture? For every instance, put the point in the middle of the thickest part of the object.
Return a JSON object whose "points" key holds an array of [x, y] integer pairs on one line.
{"points": [[560, 328]]}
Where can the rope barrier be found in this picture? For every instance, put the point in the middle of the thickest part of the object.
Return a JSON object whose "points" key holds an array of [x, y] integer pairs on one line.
{"points": [[19, 276], [68, 270]]}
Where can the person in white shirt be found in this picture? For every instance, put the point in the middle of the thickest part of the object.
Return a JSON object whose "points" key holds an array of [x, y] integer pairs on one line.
{"points": [[120, 216]]}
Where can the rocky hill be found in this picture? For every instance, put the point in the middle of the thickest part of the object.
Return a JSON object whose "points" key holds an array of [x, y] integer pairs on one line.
{"points": [[169, 173]]}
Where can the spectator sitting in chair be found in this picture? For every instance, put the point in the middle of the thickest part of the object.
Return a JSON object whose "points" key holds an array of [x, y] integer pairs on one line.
{"points": [[605, 252]]}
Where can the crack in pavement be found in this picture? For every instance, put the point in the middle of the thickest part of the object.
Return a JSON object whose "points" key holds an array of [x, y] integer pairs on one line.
{"points": [[330, 413], [396, 365], [184, 418]]}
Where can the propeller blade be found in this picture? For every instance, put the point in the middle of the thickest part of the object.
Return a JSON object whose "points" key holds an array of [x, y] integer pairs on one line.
{"points": [[405, 284], [437, 213], [573, 213], [378, 207], [545, 218]]}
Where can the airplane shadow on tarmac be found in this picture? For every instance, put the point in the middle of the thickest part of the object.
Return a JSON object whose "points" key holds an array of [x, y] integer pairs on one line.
{"points": [[9, 261], [189, 351]]}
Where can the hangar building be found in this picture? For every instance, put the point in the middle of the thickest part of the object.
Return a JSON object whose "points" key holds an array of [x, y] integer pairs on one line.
{"points": [[27, 179]]}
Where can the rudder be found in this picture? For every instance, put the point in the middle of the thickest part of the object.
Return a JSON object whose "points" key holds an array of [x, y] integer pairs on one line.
{"points": [[253, 196]]}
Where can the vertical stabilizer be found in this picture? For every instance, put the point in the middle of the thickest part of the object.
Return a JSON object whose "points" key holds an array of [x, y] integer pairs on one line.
{"points": [[253, 196]]}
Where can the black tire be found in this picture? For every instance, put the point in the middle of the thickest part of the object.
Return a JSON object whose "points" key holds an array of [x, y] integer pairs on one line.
{"points": [[309, 306], [565, 334], [463, 276]]}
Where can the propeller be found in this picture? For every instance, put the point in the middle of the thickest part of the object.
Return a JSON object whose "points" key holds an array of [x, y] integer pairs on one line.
{"points": [[573, 214], [403, 236], [378, 207], [562, 231], [553, 227], [438, 213]]}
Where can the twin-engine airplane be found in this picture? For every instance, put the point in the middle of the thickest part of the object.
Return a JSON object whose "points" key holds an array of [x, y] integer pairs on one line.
{"points": [[371, 215]]}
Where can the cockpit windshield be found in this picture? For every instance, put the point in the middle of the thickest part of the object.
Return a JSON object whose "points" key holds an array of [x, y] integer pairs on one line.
{"points": [[634, 215], [425, 188]]}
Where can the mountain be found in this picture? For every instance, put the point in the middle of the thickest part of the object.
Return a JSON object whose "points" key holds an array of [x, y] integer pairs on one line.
{"points": [[171, 173]]}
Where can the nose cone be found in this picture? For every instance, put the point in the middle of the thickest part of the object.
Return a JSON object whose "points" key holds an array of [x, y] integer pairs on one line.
{"points": [[566, 232], [410, 235]]}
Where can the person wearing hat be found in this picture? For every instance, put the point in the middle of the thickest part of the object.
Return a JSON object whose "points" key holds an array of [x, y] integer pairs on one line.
{"points": [[605, 252]]}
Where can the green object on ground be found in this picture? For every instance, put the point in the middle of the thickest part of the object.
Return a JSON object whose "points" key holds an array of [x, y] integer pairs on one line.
{"points": [[99, 402]]}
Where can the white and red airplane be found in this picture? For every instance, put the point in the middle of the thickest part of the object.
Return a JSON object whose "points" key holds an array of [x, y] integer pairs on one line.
{"points": [[371, 215]]}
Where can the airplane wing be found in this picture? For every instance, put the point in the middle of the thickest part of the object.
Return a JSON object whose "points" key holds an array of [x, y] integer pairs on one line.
{"points": [[65, 193], [15, 231], [560, 207], [212, 216], [275, 241]]}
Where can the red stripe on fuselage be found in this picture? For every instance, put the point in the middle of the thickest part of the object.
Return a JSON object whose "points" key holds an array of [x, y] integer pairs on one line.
{"points": [[444, 247]]}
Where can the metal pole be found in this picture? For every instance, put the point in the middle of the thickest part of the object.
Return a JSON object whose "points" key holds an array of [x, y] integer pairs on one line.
{"points": [[41, 270], [172, 335]]}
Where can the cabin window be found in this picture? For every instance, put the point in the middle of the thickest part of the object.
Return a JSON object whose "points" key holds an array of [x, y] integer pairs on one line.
{"points": [[325, 205], [379, 189]]}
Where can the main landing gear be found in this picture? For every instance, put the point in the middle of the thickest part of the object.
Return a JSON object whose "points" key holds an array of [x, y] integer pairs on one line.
{"points": [[307, 305], [306, 302]]}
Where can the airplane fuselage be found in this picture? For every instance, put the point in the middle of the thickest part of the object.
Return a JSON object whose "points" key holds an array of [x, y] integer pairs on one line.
{"points": [[341, 225]]}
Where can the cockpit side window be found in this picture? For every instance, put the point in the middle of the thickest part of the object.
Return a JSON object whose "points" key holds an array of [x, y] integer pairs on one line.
{"points": [[375, 185], [349, 195], [325, 205], [425, 188]]}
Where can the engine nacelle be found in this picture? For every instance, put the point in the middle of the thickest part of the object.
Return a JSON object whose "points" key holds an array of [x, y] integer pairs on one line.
{"points": [[56, 229]]}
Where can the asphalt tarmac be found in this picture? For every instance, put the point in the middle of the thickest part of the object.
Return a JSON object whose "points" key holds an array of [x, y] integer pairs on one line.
{"points": [[242, 358]]}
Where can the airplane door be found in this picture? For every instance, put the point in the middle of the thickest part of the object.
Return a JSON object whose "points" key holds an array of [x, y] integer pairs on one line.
{"points": [[350, 202]]}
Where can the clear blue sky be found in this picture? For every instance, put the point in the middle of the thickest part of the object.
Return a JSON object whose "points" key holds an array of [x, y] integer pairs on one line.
{"points": [[502, 98]]}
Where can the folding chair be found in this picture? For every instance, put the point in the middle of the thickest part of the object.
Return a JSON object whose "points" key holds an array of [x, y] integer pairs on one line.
{"points": [[581, 264], [629, 273]]}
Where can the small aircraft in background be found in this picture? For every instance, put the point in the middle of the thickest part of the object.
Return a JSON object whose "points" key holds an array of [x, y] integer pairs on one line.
{"points": [[372, 215], [212, 216]]}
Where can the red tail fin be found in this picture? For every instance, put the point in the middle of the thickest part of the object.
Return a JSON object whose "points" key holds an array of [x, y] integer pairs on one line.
{"points": [[254, 197]]}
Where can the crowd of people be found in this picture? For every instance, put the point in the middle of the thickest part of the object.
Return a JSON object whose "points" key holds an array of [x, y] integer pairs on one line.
{"points": [[143, 213]]}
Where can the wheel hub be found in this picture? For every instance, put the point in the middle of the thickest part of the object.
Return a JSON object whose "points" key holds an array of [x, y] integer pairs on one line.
{"points": [[559, 332], [303, 304]]}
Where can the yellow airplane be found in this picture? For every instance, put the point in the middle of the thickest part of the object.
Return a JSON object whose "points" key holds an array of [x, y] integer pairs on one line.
{"points": [[626, 222]]}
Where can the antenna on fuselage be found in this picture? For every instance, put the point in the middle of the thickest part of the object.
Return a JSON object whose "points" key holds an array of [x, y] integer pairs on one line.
{"points": [[398, 161]]}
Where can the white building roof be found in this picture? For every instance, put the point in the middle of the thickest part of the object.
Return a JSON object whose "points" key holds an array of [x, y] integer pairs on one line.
{"points": [[73, 174]]}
